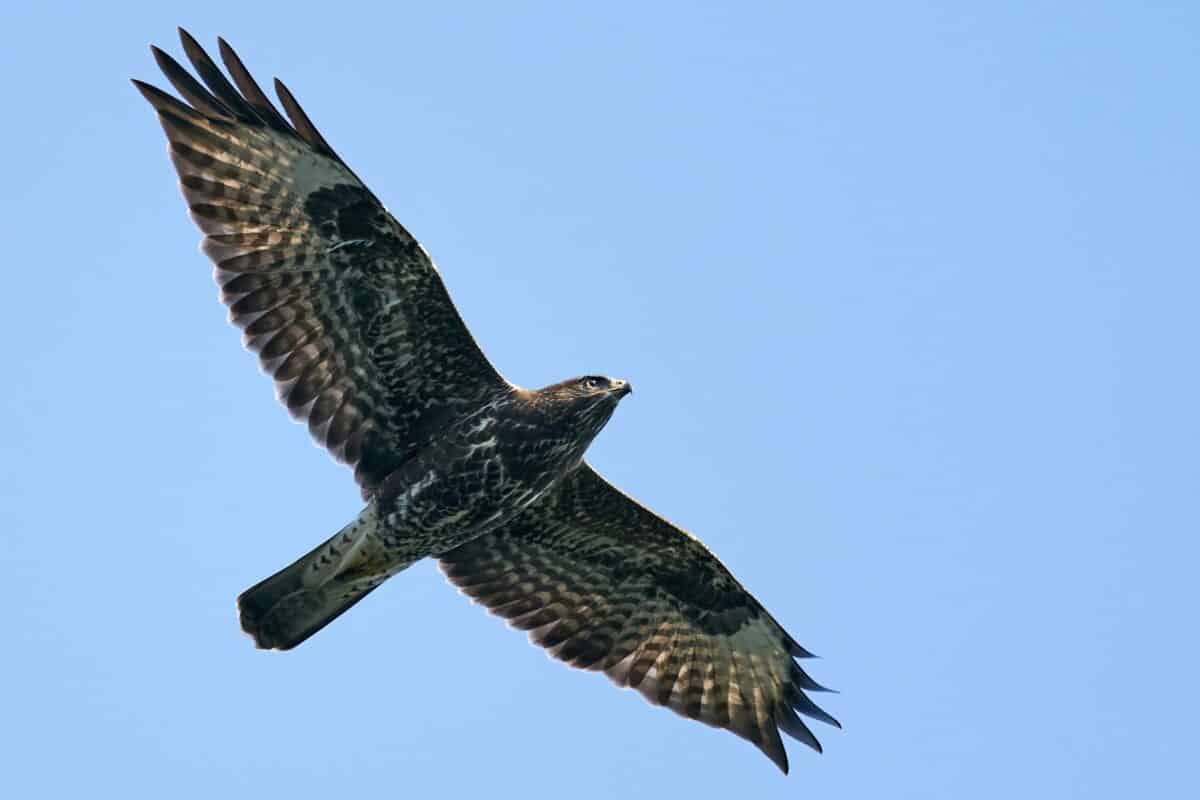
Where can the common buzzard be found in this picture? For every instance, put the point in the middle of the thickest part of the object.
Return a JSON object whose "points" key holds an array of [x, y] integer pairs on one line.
{"points": [[348, 314]]}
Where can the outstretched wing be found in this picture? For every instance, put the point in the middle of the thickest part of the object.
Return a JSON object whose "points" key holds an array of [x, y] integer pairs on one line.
{"points": [[342, 305], [605, 584]]}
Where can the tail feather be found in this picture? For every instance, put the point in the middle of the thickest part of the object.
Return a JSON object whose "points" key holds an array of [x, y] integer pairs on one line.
{"points": [[280, 614], [302, 598]]}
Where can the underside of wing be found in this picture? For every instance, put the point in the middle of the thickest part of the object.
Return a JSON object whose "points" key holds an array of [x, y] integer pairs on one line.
{"points": [[343, 307], [604, 584]]}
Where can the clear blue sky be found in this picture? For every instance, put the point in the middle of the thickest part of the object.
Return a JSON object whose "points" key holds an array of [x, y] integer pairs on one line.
{"points": [[910, 301]]}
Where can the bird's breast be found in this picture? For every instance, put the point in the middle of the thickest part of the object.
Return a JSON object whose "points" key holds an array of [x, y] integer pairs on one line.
{"points": [[482, 474]]}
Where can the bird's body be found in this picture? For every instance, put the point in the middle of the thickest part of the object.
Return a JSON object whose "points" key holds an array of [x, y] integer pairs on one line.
{"points": [[349, 316], [486, 467], [473, 475]]}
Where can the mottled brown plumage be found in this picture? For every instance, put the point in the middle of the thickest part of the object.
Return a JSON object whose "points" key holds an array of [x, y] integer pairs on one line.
{"points": [[605, 584], [348, 314]]}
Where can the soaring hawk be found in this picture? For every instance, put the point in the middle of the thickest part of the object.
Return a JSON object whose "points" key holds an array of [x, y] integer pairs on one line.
{"points": [[348, 314]]}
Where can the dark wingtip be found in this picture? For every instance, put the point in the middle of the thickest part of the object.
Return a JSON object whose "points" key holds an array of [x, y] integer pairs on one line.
{"points": [[286, 98], [216, 81], [796, 651], [250, 89], [812, 686], [155, 96], [303, 125], [805, 681], [190, 45], [228, 54], [189, 88], [771, 745], [804, 704], [791, 724]]}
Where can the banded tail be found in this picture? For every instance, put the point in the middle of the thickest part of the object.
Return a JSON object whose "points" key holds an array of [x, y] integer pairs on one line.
{"points": [[302, 598]]}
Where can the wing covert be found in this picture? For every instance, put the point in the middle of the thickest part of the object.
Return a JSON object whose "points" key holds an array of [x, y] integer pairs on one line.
{"points": [[605, 584], [345, 310]]}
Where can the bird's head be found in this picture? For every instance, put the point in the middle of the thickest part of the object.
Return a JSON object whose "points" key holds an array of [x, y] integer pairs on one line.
{"points": [[588, 401]]}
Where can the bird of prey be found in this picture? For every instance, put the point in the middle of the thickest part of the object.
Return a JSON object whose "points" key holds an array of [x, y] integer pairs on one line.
{"points": [[348, 314]]}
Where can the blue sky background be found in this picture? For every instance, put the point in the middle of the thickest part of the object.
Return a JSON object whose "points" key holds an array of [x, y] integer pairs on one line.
{"points": [[908, 292]]}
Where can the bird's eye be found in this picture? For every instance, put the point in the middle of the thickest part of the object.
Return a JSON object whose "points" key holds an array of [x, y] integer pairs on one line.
{"points": [[593, 382]]}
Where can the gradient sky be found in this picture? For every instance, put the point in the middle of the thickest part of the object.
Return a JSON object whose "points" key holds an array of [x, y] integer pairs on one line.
{"points": [[908, 292]]}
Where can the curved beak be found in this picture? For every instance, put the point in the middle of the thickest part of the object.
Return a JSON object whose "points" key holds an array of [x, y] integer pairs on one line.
{"points": [[623, 388]]}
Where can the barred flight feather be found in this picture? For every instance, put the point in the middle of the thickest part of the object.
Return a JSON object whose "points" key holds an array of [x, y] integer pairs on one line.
{"points": [[604, 584], [344, 308]]}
